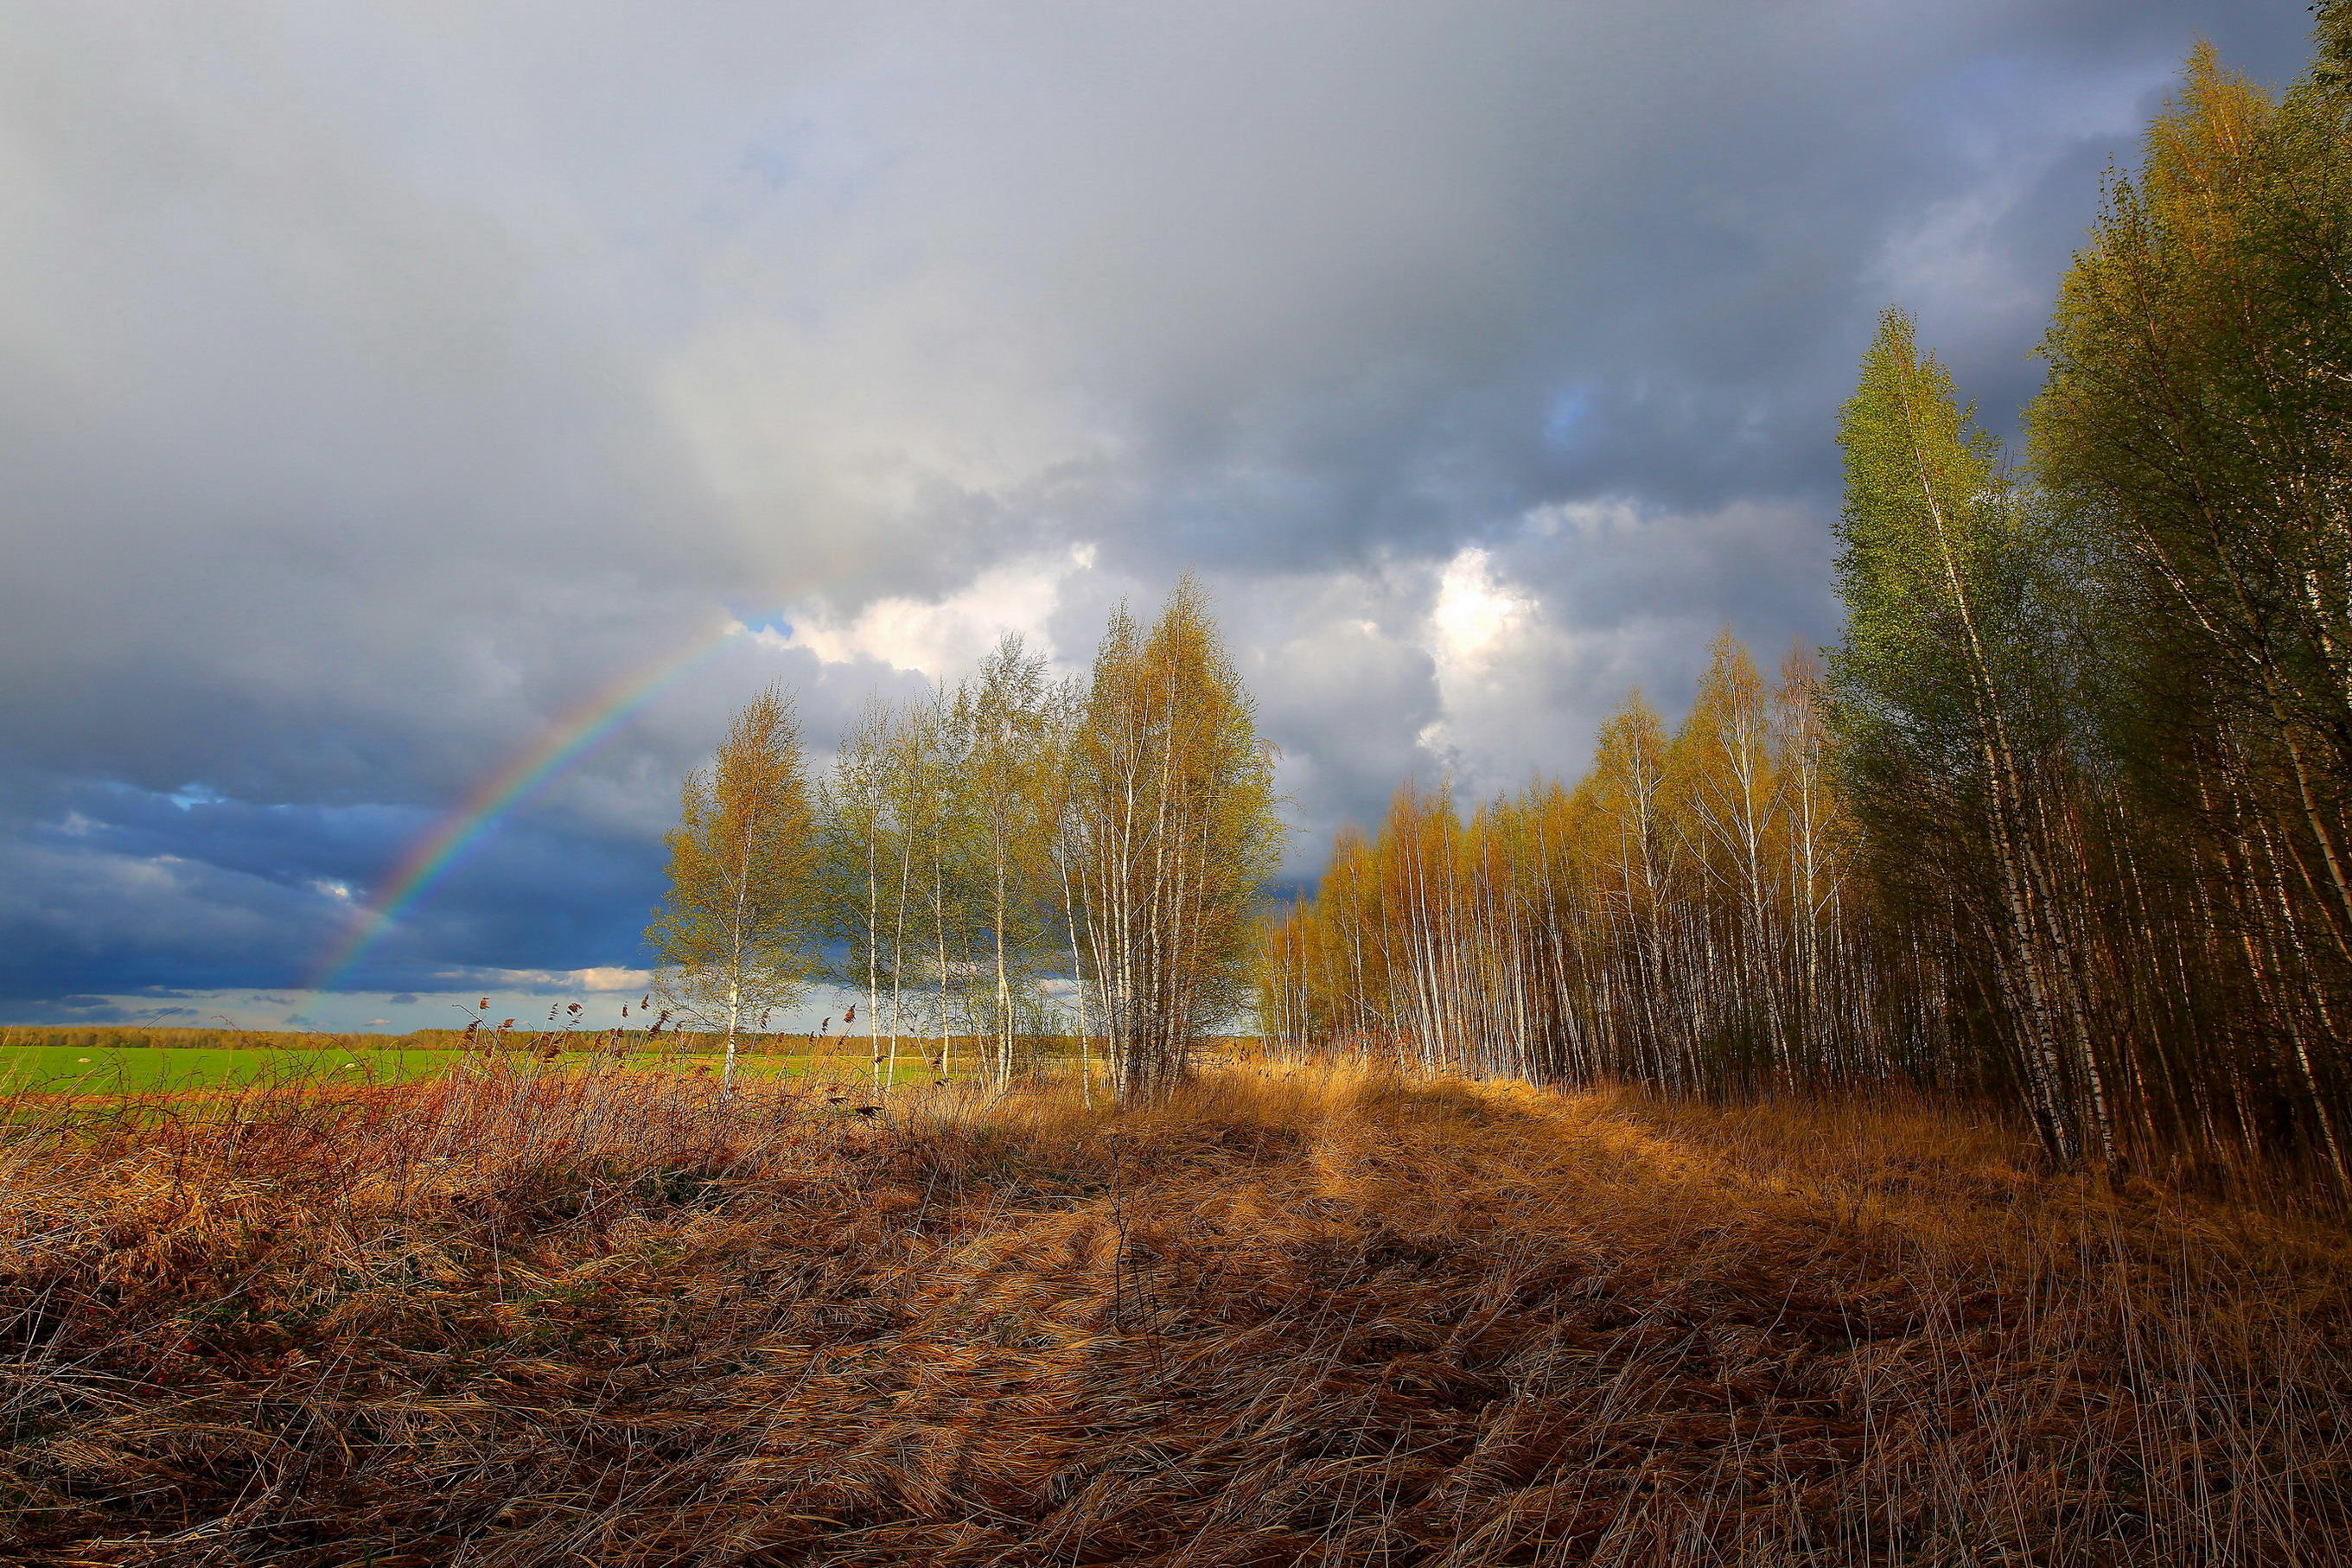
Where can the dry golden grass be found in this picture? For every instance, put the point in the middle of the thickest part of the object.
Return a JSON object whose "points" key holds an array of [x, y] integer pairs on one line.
{"points": [[1297, 1317]]}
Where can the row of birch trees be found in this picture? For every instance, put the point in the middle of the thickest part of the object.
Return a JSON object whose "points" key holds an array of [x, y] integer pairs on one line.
{"points": [[1002, 860], [2098, 708], [1683, 915], [2068, 821]]}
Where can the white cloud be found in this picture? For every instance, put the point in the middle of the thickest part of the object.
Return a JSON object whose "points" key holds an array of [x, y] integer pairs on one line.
{"points": [[1476, 617], [601, 980], [1494, 653], [942, 638]]}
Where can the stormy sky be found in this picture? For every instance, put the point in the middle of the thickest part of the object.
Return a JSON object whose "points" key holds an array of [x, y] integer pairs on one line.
{"points": [[381, 382]]}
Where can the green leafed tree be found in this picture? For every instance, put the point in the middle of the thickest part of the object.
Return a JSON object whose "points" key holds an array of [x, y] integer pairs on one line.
{"points": [[1952, 718], [1006, 718], [2195, 439], [897, 892], [864, 873], [735, 936]]}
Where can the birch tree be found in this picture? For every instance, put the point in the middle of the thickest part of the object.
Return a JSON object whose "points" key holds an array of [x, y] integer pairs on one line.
{"points": [[2195, 437], [734, 937], [864, 876], [1010, 754], [1174, 830], [1945, 714]]}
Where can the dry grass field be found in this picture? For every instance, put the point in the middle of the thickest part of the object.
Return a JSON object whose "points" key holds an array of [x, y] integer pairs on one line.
{"points": [[1301, 1315]]}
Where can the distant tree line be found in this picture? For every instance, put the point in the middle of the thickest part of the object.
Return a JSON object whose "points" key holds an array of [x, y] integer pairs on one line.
{"points": [[135, 1037], [1683, 915], [1006, 858], [2067, 820]]}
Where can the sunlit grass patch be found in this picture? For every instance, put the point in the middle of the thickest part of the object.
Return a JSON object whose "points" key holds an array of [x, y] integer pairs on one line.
{"points": [[97, 1070]]}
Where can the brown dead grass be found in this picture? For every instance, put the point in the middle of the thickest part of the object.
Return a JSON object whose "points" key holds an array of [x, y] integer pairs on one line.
{"points": [[1297, 1317]]}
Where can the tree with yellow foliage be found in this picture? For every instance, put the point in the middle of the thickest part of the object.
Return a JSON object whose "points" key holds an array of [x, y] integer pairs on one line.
{"points": [[735, 936], [1174, 830]]}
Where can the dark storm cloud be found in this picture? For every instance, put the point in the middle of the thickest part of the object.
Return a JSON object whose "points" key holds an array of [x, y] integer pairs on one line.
{"points": [[134, 892], [381, 384]]}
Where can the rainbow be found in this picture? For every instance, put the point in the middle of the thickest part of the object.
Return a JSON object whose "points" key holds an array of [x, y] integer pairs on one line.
{"points": [[432, 855]]}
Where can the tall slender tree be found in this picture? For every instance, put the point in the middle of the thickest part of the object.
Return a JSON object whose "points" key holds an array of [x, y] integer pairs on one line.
{"points": [[734, 937], [1953, 734], [1006, 715], [860, 870]]}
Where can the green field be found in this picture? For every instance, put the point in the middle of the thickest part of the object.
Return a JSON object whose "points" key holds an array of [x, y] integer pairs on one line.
{"points": [[98, 1069], [94, 1069]]}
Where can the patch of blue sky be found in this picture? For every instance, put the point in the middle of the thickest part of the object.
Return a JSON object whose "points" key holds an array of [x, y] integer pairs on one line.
{"points": [[761, 621], [1569, 415]]}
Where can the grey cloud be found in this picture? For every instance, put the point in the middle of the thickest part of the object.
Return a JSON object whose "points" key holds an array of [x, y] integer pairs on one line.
{"points": [[380, 384]]}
